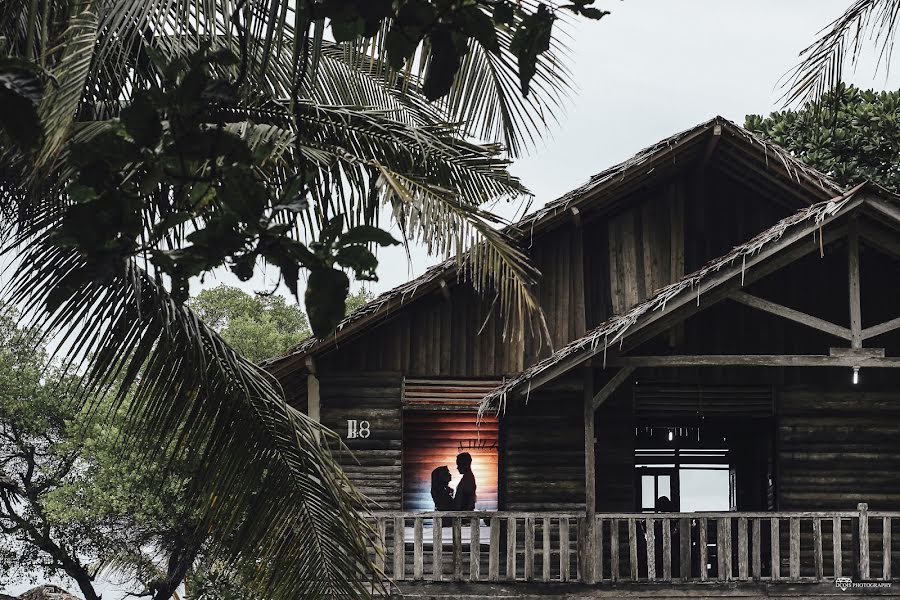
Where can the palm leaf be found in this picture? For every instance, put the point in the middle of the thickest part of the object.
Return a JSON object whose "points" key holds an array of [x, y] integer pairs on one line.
{"points": [[822, 64]]}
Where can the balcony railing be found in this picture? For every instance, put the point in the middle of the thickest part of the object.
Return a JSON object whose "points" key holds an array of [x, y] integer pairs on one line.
{"points": [[634, 547]]}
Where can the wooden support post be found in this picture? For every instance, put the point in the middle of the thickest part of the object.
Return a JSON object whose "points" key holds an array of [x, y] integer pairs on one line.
{"points": [[399, 549], [666, 524], [564, 548], [545, 548], [437, 550], [776, 549], [632, 550], [817, 548], [886, 549], [863, 541], [418, 558], [494, 552], [684, 530], [743, 550], [704, 549], [855, 310], [475, 549], [837, 553], [511, 549], [529, 548], [615, 570], [795, 549], [649, 524], [586, 549], [757, 549], [457, 549]]}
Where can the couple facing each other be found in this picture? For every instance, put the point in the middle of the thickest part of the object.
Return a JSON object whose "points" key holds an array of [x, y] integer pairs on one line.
{"points": [[441, 493]]}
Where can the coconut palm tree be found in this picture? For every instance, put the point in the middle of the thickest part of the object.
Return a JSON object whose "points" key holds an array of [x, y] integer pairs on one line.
{"points": [[327, 132]]}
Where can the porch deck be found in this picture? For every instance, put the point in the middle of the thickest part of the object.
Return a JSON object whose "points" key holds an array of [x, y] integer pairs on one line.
{"points": [[711, 552]]}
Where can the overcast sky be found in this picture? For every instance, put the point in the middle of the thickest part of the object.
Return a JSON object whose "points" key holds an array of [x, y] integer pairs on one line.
{"points": [[646, 71], [650, 69]]}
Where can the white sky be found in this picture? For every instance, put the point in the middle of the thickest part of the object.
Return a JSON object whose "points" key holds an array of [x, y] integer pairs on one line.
{"points": [[648, 70]]}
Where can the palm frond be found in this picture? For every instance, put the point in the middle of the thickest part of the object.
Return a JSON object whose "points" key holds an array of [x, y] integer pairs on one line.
{"points": [[59, 107], [270, 492], [822, 64]]}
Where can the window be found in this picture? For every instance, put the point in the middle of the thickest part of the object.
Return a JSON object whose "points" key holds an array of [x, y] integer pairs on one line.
{"points": [[433, 439], [675, 467]]}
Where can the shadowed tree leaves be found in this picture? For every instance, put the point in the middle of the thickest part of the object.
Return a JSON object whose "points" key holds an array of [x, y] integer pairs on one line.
{"points": [[21, 90], [852, 135]]}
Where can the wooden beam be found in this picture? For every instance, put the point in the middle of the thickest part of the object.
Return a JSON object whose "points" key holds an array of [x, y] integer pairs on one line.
{"points": [[576, 216], [710, 147], [853, 264], [874, 330], [757, 360], [611, 386], [857, 352], [790, 314], [590, 474]]}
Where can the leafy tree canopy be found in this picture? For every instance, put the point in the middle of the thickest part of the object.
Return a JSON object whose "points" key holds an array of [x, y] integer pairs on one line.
{"points": [[852, 135], [258, 326]]}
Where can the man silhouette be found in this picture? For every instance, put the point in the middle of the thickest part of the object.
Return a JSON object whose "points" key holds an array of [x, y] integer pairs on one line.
{"points": [[465, 491]]}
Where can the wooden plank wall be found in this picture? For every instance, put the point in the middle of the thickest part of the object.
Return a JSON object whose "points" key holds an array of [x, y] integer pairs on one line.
{"points": [[544, 450], [375, 466], [435, 337], [838, 447], [295, 390], [558, 255], [645, 246]]}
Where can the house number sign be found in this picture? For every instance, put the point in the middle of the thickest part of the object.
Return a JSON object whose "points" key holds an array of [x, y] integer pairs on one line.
{"points": [[357, 429]]}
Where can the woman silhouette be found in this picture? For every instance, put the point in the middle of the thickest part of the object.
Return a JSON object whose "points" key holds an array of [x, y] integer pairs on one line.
{"points": [[441, 493]]}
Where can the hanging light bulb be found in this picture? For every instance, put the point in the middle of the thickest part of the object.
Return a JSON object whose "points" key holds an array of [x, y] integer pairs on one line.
{"points": [[855, 375], [671, 435]]}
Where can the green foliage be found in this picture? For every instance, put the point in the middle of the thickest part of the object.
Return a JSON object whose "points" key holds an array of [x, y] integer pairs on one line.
{"points": [[76, 500], [852, 135], [357, 300], [258, 326]]}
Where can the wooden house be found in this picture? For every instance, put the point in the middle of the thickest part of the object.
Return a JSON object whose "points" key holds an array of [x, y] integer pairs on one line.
{"points": [[717, 411]]}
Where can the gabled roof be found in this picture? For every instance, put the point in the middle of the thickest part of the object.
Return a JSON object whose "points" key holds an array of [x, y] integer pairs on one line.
{"points": [[806, 222], [601, 190]]}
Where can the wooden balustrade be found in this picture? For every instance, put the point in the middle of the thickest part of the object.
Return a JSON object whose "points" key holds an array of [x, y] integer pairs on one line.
{"points": [[479, 546], [656, 547]]}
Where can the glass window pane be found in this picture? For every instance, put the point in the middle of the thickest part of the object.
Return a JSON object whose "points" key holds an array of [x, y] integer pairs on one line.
{"points": [[704, 489], [647, 499], [665, 488]]}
